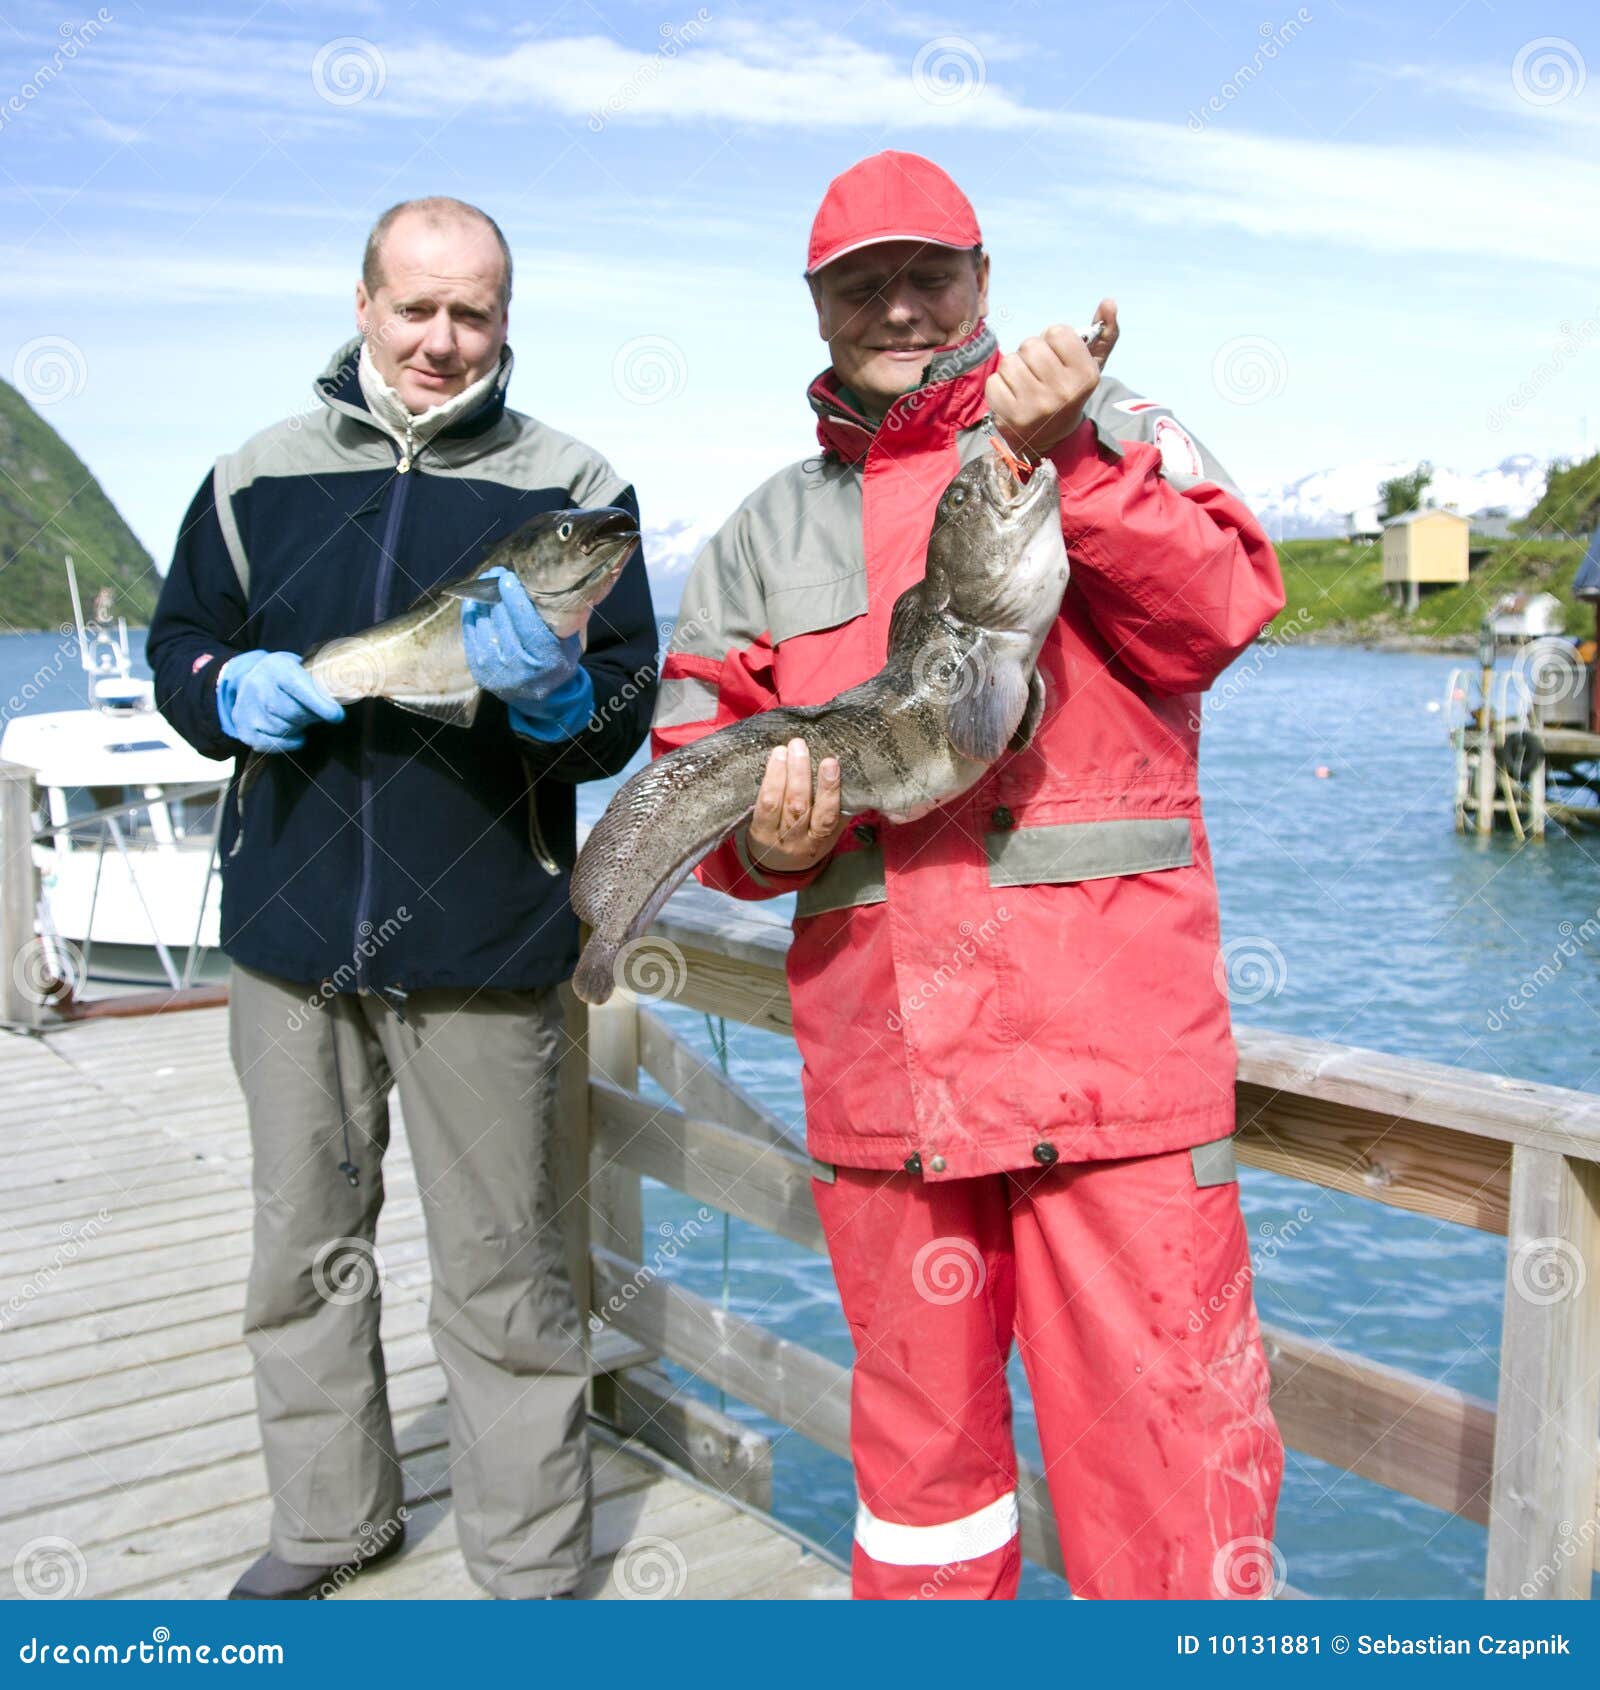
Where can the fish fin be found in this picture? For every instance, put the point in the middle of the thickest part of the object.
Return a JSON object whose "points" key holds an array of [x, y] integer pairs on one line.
{"points": [[477, 590], [989, 699], [1029, 725], [458, 710]]}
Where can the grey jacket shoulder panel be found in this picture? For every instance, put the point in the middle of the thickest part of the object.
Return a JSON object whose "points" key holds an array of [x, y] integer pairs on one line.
{"points": [[519, 451], [787, 562], [1120, 415], [320, 443], [522, 452]]}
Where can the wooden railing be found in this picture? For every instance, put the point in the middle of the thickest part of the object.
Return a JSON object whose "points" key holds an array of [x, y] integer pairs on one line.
{"points": [[1503, 1156]]}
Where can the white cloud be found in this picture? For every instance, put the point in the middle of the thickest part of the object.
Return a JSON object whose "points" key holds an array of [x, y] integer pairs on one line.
{"points": [[1532, 198]]}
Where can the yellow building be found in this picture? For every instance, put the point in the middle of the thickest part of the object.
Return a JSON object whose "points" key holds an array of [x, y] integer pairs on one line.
{"points": [[1425, 548]]}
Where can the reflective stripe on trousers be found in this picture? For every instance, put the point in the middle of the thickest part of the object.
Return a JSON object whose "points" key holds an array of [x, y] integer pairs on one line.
{"points": [[1127, 1286]]}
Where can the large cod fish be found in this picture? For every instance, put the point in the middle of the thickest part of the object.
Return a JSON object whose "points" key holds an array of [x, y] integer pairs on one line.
{"points": [[959, 687], [567, 560]]}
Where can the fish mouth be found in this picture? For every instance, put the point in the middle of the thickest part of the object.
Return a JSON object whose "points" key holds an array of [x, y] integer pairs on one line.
{"points": [[1012, 497], [607, 527]]}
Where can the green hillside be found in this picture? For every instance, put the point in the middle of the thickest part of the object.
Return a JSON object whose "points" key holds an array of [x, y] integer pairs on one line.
{"points": [[50, 505], [1335, 591]]}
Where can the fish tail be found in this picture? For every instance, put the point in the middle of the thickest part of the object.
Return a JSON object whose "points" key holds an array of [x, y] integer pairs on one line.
{"points": [[596, 976], [664, 820]]}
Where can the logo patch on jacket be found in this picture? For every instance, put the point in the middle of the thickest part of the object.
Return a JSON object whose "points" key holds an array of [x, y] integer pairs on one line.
{"points": [[1179, 454], [201, 661]]}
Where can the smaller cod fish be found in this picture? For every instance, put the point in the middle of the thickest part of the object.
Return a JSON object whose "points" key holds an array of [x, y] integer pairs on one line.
{"points": [[567, 560], [959, 687]]}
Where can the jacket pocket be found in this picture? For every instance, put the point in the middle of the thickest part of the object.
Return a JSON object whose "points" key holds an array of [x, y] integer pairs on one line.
{"points": [[1068, 851], [851, 878], [815, 595]]}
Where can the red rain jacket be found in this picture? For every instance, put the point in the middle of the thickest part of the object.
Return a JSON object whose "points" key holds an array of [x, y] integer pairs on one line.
{"points": [[1030, 972]]}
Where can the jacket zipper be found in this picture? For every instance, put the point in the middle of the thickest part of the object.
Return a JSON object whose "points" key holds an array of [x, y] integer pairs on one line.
{"points": [[380, 592]]}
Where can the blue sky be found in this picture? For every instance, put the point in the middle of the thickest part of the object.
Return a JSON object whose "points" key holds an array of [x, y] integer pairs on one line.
{"points": [[1383, 240]]}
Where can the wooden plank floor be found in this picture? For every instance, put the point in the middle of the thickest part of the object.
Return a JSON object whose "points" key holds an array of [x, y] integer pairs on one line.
{"points": [[127, 1413]]}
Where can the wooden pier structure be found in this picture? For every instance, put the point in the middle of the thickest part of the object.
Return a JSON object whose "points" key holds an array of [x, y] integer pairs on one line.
{"points": [[1526, 753], [128, 1431]]}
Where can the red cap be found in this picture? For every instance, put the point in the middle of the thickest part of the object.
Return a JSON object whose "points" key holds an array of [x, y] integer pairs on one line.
{"points": [[890, 197]]}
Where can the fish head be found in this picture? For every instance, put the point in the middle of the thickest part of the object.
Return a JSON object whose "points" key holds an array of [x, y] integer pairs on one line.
{"points": [[568, 561], [996, 556]]}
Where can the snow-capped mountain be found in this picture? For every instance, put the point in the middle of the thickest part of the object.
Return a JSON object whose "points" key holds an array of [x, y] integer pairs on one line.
{"points": [[1324, 502], [668, 553]]}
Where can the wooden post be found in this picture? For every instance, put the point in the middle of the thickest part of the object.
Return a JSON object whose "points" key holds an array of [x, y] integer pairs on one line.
{"points": [[1536, 795], [1542, 1519], [1485, 793], [19, 899]]}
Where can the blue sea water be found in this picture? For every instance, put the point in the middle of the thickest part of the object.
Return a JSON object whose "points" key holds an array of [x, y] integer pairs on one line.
{"points": [[1352, 912]]}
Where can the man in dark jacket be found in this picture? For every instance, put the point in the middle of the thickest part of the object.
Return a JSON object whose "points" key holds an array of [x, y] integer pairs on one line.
{"points": [[387, 917]]}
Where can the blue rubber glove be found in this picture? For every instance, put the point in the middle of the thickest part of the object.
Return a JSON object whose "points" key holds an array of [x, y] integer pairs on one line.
{"points": [[511, 652], [561, 715], [266, 698]]}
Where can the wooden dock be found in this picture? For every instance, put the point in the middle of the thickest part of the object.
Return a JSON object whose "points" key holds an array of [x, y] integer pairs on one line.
{"points": [[130, 1459]]}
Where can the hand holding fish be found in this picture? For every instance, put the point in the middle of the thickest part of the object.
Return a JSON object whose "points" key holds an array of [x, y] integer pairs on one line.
{"points": [[510, 651], [790, 832], [1037, 394]]}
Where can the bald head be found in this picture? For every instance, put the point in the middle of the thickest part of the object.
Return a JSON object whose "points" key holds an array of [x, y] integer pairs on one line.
{"points": [[439, 212], [432, 299]]}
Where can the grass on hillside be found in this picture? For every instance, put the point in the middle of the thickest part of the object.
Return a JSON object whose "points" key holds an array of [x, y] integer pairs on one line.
{"points": [[1336, 588]]}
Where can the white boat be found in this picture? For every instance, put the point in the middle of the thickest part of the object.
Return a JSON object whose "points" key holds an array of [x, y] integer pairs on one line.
{"points": [[125, 838]]}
